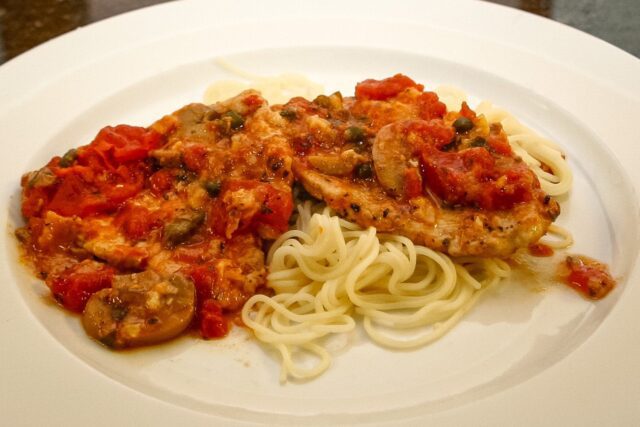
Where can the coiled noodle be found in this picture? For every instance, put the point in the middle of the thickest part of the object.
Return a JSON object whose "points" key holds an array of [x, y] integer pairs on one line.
{"points": [[328, 268]]}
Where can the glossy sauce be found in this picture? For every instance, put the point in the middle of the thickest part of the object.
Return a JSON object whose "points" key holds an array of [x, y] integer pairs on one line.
{"points": [[177, 198], [540, 250], [196, 193], [589, 277]]}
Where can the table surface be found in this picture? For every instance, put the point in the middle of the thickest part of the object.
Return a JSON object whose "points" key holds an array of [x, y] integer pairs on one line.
{"points": [[27, 23]]}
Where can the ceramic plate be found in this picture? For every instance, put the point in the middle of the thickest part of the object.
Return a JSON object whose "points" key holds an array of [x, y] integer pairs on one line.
{"points": [[528, 353]]}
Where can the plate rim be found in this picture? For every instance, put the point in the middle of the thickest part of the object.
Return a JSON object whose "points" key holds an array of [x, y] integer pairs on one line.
{"points": [[17, 64]]}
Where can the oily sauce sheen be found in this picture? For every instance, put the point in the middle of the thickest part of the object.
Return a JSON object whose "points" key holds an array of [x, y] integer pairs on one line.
{"points": [[147, 231], [150, 231], [589, 277]]}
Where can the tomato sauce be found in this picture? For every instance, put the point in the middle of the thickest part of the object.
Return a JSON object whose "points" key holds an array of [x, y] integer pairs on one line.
{"points": [[476, 177], [465, 165], [96, 178], [174, 198], [589, 277], [381, 90], [75, 285], [540, 250], [198, 192]]}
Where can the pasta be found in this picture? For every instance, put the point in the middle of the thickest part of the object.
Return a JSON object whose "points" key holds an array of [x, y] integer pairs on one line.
{"points": [[277, 89], [328, 268], [556, 178]]}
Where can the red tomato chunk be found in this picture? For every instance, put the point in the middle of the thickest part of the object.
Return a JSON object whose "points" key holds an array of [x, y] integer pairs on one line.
{"points": [[75, 285], [385, 89], [588, 276]]}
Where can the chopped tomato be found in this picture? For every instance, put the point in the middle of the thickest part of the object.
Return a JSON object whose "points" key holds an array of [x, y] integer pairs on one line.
{"points": [[265, 204], [217, 217], [212, 322], [467, 112], [34, 200], [75, 196], [104, 174], [194, 254], [472, 178], [124, 183], [209, 314], [413, 183], [276, 209], [253, 102], [500, 145], [386, 88], [204, 278], [433, 132], [161, 182], [136, 221], [540, 250], [75, 285], [124, 143], [303, 106], [195, 157], [430, 106], [588, 276]]}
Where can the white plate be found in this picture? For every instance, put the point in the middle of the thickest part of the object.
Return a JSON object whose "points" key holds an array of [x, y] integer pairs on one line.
{"points": [[532, 357]]}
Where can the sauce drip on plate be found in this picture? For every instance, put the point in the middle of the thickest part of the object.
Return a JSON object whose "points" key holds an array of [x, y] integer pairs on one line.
{"points": [[587, 276]]}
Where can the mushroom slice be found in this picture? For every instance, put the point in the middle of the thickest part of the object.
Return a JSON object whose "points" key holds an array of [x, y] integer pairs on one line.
{"points": [[140, 309], [392, 155], [337, 165]]}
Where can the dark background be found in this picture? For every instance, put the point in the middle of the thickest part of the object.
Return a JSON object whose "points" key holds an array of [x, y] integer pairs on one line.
{"points": [[27, 23]]}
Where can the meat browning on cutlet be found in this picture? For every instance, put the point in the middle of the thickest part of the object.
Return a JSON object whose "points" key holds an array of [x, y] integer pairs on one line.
{"points": [[154, 229], [447, 180], [150, 230]]}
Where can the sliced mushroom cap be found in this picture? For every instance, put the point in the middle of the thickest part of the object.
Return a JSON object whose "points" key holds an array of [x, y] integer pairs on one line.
{"points": [[337, 164], [391, 156], [140, 309]]}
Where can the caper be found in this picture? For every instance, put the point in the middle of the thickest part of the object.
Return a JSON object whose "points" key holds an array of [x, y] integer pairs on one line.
{"points": [[364, 171], [462, 125], [322, 101], [68, 158], [289, 114], [213, 187], [478, 141], [332, 102], [237, 121], [354, 134], [181, 228]]}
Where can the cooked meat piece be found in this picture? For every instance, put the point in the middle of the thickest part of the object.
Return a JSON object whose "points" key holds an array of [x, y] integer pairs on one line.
{"points": [[165, 225], [458, 232], [192, 196], [140, 309], [447, 181]]}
